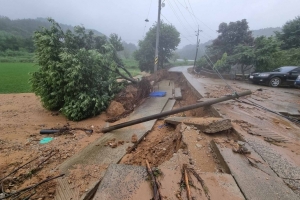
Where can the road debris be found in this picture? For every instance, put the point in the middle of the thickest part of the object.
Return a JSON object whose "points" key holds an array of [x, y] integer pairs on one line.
{"points": [[240, 148], [187, 180], [206, 125], [175, 111], [156, 187], [17, 194], [134, 138]]}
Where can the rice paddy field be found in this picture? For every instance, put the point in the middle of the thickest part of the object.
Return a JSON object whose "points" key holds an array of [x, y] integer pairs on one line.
{"points": [[14, 77]]}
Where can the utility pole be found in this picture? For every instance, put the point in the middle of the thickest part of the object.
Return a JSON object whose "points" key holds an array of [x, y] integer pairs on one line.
{"points": [[157, 37], [198, 42]]}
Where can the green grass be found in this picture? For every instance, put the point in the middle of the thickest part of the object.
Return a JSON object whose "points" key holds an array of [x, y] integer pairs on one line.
{"points": [[132, 66], [16, 57], [15, 77], [130, 63]]}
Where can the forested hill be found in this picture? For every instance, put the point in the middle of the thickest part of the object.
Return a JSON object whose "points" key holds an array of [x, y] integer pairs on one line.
{"points": [[265, 32], [188, 51], [26, 27], [17, 34]]}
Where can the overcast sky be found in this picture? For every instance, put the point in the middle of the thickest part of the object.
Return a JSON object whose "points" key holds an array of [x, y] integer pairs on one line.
{"points": [[127, 17]]}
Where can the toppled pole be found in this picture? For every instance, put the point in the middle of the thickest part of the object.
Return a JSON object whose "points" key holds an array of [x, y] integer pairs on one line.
{"points": [[175, 111]]}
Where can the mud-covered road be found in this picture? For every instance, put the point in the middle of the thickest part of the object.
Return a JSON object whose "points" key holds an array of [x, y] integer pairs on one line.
{"points": [[275, 138]]}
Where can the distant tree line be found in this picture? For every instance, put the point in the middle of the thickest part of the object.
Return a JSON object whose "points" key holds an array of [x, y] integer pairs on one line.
{"points": [[235, 44], [16, 38]]}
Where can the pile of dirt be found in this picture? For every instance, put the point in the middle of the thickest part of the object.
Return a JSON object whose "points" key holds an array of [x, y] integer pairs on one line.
{"points": [[157, 147], [130, 97]]}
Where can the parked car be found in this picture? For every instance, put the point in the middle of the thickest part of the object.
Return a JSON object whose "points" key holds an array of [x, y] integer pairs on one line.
{"points": [[281, 76], [297, 82]]}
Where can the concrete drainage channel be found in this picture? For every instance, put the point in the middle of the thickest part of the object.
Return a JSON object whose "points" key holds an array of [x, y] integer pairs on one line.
{"points": [[182, 150]]}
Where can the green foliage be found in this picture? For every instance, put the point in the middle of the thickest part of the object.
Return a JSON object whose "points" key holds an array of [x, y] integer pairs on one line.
{"points": [[16, 56], [201, 63], [174, 56], [115, 40], [77, 71], [168, 41], [129, 48], [231, 35], [290, 35], [244, 55], [222, 63], [265, 55], [132, 66], [15, 76], [266, 51], [16, 35]]}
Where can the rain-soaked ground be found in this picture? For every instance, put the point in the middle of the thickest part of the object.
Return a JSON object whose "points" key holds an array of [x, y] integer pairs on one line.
{"points": [[273, 137]]}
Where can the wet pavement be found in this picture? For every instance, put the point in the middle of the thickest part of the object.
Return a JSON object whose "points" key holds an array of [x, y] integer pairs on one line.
{"points": [[282, 157]]}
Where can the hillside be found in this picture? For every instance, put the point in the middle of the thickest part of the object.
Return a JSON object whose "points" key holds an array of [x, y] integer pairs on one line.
{"points": [[265, 32], [189, 51], [26, 27]]}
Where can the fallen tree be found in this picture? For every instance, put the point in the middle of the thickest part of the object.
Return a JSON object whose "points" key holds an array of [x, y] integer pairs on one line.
{"points": [[78, 70]]}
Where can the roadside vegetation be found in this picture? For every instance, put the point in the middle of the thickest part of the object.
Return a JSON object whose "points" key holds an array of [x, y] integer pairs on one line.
{"points": [[236, 45]]}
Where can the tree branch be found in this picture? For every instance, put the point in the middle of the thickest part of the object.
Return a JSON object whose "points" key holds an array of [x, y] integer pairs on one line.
{"points": [[18, 169], [127, 72], [32, 187], [123, 76]]}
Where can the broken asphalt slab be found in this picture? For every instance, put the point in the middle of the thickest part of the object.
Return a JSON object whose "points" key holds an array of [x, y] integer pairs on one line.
{"points": [[102, 155], [255, 182], [206, 125]]}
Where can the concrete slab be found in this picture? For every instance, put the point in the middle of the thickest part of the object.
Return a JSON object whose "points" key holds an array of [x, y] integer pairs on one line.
{"points": [[130, 182], [268, 134], [206, 125], [122, 182], [219, 185], [177, 94], [99, 154], [255, 183], [281, 164], [169, 106]]}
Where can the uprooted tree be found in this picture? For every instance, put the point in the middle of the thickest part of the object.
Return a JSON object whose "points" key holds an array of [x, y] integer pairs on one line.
{"points": [[78, 70]]}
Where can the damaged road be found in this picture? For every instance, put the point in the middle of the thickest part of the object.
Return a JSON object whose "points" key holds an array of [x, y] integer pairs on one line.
{"points": [[193, 154]]}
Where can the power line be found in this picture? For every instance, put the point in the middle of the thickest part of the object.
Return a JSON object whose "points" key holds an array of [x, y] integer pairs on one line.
{"points": [[147, 19], [183, 15], [197, 17], [171, 23], [178, 18], [217, 71], [193, 16]]}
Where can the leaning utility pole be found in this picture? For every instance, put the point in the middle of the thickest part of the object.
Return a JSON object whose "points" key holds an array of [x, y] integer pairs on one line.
{"points": [[198, 42], [157, 37]]}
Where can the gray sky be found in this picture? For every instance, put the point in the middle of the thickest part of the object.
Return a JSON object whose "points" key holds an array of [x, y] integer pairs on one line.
{"points": [[127, 17]]}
